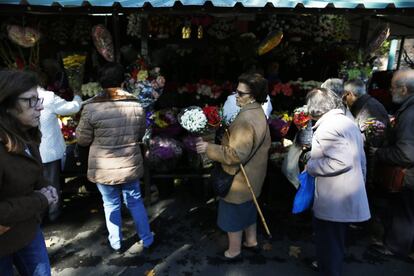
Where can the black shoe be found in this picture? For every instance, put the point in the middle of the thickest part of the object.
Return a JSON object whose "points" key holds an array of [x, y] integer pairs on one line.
{"points": [[381, 249], [118, 251], [138, 248], [235, 259], [255, 249]]}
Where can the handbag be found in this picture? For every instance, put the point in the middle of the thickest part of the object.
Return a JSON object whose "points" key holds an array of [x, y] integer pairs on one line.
{"points": [[220, 180], [305, 194], [389, 178], [75, 160]]}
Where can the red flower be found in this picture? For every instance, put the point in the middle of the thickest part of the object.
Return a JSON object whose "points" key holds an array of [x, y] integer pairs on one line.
{"points": [[213, 116], [134, 73], [301, 120]]}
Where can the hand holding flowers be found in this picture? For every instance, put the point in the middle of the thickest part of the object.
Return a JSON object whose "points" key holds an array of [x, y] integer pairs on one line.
{"points": [[201, 121]]}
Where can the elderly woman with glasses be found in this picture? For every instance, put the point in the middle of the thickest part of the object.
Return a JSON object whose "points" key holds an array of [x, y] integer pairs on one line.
{"points": [[248, 143], [338, 163], [24, 193]]}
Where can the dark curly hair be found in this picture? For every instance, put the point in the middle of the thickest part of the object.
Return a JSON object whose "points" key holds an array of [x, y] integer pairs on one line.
{"points": [[257, 84]]}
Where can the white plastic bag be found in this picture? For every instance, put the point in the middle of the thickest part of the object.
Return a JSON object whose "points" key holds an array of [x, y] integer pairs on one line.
{"points": [[290, 165]]}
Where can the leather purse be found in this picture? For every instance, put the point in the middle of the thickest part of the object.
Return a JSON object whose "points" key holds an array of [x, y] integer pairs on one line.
{"points": [[220, 180], [389, 178], [75, 160]]}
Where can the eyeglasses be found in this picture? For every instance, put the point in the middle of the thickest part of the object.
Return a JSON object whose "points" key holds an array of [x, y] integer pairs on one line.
{"points": [[33, 101], [241, 93]]}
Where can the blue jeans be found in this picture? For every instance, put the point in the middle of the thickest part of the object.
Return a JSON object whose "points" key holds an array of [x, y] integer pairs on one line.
{"points": [[31, 260], [111, 196]]}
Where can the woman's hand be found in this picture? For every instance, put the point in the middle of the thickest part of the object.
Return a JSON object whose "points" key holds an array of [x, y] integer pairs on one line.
{"points": [[201, 146], [3, 229]]}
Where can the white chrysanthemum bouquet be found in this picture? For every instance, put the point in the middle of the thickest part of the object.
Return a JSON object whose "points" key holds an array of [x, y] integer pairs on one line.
{"points": [[193, 119], [203, 122]]}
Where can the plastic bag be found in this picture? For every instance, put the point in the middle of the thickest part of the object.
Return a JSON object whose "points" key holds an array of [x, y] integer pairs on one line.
{"points": [[304, 196], [290, 165]]}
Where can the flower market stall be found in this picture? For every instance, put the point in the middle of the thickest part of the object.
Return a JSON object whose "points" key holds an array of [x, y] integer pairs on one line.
{"points": [[182, 59]]}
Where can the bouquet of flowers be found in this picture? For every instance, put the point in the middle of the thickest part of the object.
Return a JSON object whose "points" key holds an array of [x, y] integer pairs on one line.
{"points": [[91, 89], [163, 153], [302, 120], [301, 117], [193, 120], [279, 125], [146, 85], [374, 131], [74, 67], [68, 126], [201, 121], [213, 116]]}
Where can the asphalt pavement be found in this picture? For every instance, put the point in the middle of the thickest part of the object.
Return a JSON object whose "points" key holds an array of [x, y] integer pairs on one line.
{"points": [[188, 242]]}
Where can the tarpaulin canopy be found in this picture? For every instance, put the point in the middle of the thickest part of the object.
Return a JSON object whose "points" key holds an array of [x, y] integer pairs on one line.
{"points": [[343, 4]]}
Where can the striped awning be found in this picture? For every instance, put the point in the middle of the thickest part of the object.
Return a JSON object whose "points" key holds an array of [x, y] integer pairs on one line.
{"points": [[342, 4]]}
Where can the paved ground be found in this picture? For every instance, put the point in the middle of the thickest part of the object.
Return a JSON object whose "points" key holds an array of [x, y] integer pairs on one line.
{"points": [[189, 241]]}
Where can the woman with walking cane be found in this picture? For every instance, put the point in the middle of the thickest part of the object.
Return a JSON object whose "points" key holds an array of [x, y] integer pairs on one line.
{"points": [[243, 153]]}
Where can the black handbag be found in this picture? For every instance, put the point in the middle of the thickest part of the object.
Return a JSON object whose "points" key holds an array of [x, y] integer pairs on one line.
{"points": [[75, 161], [220, 180]]}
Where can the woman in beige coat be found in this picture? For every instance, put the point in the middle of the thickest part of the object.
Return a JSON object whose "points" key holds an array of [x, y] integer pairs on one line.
{"points": [[248, 143]]}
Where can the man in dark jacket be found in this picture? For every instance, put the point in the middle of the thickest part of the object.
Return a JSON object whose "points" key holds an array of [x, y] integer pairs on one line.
{"points": [[364, 109], [399, 236], [362, 106]]}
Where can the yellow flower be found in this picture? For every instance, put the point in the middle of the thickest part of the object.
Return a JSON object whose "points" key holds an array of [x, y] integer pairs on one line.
{"points": [[142, 75]]}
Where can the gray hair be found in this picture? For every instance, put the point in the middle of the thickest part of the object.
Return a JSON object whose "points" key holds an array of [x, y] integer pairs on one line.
{"points": [[335, 85], [356, 86], [405, 78], [321, 100]]}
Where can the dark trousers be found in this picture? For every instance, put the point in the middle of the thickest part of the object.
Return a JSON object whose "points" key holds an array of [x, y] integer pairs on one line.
{"points": [[330, 246], [399, 233], [51, 171]]}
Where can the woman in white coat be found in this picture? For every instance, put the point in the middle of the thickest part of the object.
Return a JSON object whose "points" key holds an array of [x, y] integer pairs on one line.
{"points": [[338, 163], [52, 146]]}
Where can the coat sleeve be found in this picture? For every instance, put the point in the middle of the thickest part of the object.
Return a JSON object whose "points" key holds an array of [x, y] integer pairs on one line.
{"points": [[402, 152], [336, 158], [21, 208], [84, 131], [63, 107], [238, 149], [141, 115]]}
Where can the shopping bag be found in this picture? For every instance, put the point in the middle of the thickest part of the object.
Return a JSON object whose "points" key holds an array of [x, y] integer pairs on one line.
{"points": [[290, 165], [304, 196], [389, 178]]}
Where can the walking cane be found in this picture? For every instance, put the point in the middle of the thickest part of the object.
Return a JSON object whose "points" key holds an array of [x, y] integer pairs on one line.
{"points": [[254, 196]]}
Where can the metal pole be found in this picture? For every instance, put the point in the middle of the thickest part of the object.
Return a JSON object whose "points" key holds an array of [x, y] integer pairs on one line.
{"points": [[117, 42], [400, 52]]}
